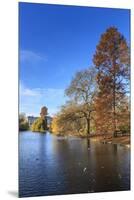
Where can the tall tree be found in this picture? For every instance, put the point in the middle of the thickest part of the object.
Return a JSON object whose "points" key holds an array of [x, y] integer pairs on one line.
{"points": [[43, 112], [82, 90], [112, 62]]}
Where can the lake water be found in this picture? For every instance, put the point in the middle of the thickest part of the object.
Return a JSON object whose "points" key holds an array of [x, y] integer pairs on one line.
{"points": [[51, 165]]}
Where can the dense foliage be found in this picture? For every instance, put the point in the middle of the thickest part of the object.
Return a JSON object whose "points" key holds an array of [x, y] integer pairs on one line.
{"points": [[39, 125], [69, 121]]}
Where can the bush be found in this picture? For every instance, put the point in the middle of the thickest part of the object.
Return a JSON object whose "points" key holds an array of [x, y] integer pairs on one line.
{"points": [[23, 126], [124, 129]]}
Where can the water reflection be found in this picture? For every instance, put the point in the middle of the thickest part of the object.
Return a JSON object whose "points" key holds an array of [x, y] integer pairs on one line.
{"points": [[115, 148], [57, 165], [88, 143]]}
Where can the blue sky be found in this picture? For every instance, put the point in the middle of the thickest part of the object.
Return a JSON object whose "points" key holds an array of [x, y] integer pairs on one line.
{"points": [[54, 42]]}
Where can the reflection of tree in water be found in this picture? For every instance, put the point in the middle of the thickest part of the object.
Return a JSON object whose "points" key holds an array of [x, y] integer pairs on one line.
{"points": [[115, 148], [88, 143]]}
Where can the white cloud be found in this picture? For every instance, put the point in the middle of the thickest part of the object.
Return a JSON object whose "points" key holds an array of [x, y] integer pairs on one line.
{"points": [[30, 56], [24, 91], [32, 99], [47, 92]]}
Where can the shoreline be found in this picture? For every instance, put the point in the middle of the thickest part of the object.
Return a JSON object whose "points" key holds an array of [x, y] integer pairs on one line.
{"points": [[121, 140]]}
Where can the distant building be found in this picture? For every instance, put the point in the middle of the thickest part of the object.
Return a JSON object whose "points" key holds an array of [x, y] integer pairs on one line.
{"points": [[49, 120], [31, 120]]}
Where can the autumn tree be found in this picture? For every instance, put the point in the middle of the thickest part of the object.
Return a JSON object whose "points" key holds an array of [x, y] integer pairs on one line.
{"points": [[123, 115], [54, 128], [82, 90], [103, 117], [69, 121], [39, 125], [111, 60], [43, 112]]}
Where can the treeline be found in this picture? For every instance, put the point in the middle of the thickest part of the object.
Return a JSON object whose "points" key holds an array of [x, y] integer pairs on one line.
{"points": [[99, 95], [23, 123]]}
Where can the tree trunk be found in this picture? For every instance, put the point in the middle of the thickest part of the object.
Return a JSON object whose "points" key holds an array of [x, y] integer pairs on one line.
{"points": [[114, 114], [114, 103]]}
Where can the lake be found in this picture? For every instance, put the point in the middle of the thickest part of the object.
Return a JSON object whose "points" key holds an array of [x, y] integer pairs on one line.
{"points": [[52, 165]]}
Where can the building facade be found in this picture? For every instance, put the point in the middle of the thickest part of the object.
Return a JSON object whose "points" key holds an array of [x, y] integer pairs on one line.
{"points": [[31, 119]]}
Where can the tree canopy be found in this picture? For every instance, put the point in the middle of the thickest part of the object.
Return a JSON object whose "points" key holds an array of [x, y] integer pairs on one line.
{"points": [[39, 125]]}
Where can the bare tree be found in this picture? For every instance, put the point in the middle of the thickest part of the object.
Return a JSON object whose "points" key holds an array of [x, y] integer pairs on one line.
{"points": [[82, 90]]}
